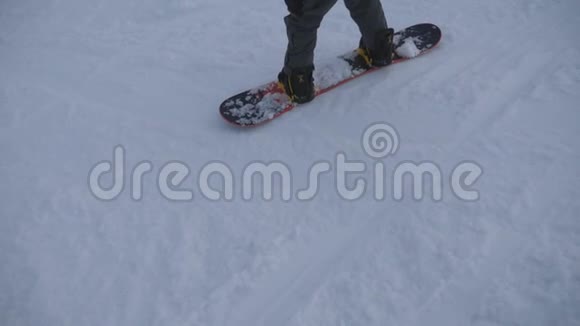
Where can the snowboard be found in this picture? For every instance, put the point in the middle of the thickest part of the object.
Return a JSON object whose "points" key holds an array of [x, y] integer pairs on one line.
{"points": [[266, 102]]}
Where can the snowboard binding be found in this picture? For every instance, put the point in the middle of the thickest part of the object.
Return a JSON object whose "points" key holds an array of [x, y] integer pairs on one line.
{"points": [[383, 51], [298, 84]]}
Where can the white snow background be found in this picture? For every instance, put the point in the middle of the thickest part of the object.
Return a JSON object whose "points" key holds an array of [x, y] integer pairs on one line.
{"points": [[78, 77]]}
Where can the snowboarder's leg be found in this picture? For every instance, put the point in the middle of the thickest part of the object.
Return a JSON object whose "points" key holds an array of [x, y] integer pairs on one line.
{"points": [[376, 41], [302, 26], [369, 16]]}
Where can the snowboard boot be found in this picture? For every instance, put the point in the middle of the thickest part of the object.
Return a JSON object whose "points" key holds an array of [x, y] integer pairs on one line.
{"points": [[299, 84], [383, 52]]}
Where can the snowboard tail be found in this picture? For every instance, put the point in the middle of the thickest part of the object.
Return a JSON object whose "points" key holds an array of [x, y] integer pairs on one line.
{"points": [[264, 103]]}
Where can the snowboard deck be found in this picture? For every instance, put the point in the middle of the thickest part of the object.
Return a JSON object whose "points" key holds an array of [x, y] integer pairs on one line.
{"points": [[264, 103]]}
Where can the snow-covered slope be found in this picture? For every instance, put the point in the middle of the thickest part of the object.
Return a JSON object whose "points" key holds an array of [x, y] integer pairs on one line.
{"points": [[79, 77]]}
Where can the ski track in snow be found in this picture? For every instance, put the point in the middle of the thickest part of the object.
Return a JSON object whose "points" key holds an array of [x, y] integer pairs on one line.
{"points": [[79, 77]]}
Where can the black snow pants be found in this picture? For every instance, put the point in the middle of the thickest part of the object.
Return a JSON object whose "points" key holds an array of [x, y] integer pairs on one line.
{"points": [[304, 20]]}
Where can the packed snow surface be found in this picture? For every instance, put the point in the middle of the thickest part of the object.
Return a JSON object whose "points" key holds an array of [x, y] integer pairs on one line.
{"points": [[81, 80]]}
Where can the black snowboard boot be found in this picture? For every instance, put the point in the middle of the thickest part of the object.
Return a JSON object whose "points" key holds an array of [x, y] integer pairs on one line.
{"points": [[299, 84], [383, 52]]}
